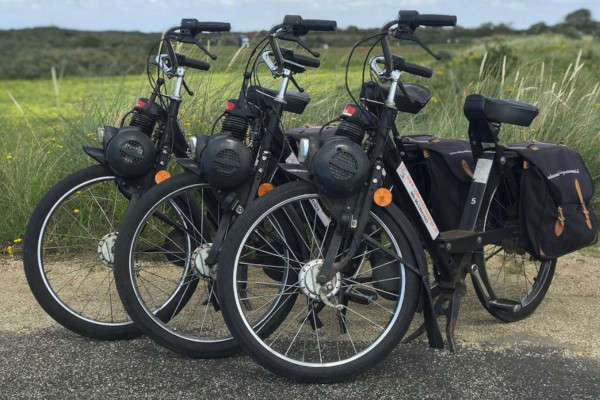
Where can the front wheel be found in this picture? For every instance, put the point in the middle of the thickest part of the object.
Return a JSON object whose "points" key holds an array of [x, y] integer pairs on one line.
{"points": [[333, 330], [68, 254], [161, 271]]}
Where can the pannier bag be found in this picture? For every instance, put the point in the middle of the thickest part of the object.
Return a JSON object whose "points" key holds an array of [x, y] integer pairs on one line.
{"points": [[556, 190], [449, 168]]}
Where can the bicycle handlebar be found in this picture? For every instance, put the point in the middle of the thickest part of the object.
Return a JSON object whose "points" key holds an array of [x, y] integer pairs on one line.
{"points": [[400, 65], [306, 61], [414, 19], [322, 25], [300, 27], [413, 69], [195, 26], [191, 62]]}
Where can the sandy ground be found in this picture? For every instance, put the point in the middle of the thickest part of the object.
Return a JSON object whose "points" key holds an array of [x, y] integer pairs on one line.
{"points": [[563, 335]]}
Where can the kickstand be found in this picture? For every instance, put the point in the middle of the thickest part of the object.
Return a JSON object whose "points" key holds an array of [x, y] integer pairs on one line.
{"points": [[418, 332], [437, 310], [452, 313]]}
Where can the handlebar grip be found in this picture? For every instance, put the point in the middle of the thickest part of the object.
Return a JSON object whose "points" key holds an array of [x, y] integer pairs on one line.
{"points": [[418, 70], [195, 26], [320, 25], [414, 19], [306, 61], [436, 20], [192, 62]]}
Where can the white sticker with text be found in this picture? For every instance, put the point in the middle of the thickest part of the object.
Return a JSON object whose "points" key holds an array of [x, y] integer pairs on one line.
{"points": [[417, 200]]}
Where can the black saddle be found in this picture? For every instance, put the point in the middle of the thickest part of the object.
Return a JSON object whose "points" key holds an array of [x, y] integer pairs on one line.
{"points": [[478, 108]]}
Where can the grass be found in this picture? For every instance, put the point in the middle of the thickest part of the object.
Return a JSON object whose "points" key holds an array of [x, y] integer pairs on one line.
{"points": [[43, 123]]}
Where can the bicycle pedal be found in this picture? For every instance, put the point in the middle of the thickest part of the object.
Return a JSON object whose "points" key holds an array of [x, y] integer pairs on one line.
{"points": [[361, 296], [505, 304]]}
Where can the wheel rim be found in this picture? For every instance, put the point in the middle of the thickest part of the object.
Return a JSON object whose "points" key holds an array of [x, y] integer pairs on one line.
{"points": [[342, 338], [510, 272], [74, 245], [176, 276]]}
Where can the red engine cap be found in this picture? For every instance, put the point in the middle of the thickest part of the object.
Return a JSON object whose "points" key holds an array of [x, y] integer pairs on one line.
{"points": [[349, 110], [141, 103], [229, 105]]}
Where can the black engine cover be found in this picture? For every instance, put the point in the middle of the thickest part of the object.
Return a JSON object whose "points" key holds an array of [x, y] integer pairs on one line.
{"points": [[339, 167], [130, 153], [226, 162]]}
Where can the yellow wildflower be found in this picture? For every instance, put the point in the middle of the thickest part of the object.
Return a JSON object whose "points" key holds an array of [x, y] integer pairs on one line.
{"points": [[76, 211], [439, 72], [18, 240], [510, 89], [434, 100], [9, 249], [59, 146], [9, 157], [78, 192]]}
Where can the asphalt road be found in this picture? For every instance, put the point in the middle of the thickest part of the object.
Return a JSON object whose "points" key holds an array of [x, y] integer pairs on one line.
{"points": [[54, 363], [554, 354]]}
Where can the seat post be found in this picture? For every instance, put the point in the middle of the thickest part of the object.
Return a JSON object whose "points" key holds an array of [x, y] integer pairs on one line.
{"points": [[482, 131]]}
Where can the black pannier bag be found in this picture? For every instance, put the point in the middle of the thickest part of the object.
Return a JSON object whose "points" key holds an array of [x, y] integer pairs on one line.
{"points": [[449, 169], [555, 209]]}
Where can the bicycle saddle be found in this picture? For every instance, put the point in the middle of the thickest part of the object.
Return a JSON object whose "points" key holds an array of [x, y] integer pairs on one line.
{"points": [[478, 107]]}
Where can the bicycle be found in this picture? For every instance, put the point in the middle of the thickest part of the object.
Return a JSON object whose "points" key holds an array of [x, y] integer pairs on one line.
{"points": [[195, 210], [359, 264], [361, 269], [69, 240]]}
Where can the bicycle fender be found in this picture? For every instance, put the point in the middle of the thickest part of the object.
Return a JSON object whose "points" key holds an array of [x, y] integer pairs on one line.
{"points": [[434, 334], [190, 165], [96, 153]]}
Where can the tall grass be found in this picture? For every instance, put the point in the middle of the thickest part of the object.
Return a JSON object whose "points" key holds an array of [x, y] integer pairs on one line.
{"points": [[44, 123]]}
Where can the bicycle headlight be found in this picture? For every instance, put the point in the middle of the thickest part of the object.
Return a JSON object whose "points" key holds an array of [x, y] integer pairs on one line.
{"points": [[192, 143], [105, 134], [196, 145], [101, 132]]}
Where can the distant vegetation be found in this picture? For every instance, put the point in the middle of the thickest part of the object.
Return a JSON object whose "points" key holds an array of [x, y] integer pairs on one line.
{"points": [[31, 53], [44, 122]]}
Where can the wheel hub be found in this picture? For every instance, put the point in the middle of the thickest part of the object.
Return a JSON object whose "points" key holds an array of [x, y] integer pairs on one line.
{"points": [[106, 248], [313, 289], [199, 256]]}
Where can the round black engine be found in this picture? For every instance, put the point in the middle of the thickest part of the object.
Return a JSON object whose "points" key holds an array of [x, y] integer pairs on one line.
{"points": [[339, 167], [226, 161], [130, 153]]}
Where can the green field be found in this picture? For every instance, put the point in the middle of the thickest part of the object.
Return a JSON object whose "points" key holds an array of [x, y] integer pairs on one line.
{"points": [[43, 123]]}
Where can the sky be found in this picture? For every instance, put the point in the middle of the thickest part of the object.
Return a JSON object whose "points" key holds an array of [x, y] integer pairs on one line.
{"points": [[247, 15]]}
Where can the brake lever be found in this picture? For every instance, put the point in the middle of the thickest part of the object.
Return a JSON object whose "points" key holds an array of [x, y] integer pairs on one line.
{"points": [[187, 89], [293, 80], [208, 53], [296, 39], [409, 35], [192, 40]]}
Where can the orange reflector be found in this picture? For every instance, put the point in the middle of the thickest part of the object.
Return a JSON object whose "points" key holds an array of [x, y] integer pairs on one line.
{"points": [[382, 197], [265, 188], [161, 176]]}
